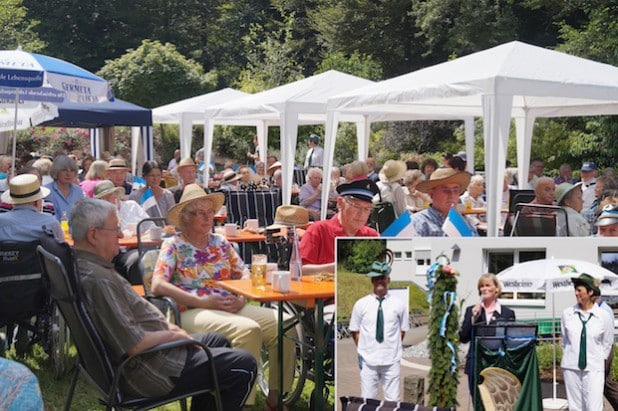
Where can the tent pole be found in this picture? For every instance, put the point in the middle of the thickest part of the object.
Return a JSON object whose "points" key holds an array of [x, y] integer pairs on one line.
{"points": [[553, 332], [15, 131]]}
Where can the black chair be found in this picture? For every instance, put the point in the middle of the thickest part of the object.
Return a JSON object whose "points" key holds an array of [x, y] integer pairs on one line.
{"points": [[142, 227], [537, 220], [60, 272], [516, 196]]}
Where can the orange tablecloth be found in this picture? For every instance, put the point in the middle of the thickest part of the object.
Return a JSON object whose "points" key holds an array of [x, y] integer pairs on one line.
{"points": [[479, 211], [243, 236]]}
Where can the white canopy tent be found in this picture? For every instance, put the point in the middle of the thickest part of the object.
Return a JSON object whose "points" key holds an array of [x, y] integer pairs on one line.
{"points": [[299, 102], [190, 111], [513, 80]]}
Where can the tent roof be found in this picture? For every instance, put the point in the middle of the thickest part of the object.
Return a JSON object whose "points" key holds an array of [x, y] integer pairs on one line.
{"points": [[114, 113], [307, 97], [193, 108], [544, 83]]}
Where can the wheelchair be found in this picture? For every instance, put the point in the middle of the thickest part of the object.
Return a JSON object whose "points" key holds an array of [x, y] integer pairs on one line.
{"points": [[306, 332], [27, 312]]}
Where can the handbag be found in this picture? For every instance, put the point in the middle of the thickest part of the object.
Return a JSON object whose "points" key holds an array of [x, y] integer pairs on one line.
{"points": [[382, 215]]}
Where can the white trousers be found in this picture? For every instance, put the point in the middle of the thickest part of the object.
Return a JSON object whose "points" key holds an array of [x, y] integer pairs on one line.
{"points": [[584, 389], [388, 376]]}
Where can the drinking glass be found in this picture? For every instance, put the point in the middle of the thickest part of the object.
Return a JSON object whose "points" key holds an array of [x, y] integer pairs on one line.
{"points": [[258, 271]]}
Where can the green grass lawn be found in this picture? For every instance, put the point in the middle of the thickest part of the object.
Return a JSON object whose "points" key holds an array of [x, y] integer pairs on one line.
{"points": [[352, 286], [87, 398]]}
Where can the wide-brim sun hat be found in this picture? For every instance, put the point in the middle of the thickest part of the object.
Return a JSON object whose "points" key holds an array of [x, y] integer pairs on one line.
{"points": [[379, 269], [117, 164], [608, 216], [392, 170], [24, 188], [106, 187], [230, 176], [563, 189], [192, 193], [186, 162], [290, 216], [276, 165], [445, 176], [589, 282]]}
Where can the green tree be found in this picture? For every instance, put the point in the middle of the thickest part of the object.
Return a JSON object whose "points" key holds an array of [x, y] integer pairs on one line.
{"points": [[383, 30], [16, 29], [356, 64], [156, 74], [364, 253], [272, 58], [460, 27]]}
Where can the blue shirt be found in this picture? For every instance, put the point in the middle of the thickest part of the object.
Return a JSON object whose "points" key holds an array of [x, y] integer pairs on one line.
{"points": [[428, 223], [25, 223], [61, 203]]}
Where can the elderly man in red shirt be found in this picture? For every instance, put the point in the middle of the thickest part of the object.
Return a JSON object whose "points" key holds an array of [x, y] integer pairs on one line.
{"points": [[317, 246]]}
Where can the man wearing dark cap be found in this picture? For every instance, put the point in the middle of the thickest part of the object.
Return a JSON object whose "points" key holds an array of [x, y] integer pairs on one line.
{"points": [[378, 324], [589, 172], [317, 246], [444, 187], [587, 338], [315, 154]]}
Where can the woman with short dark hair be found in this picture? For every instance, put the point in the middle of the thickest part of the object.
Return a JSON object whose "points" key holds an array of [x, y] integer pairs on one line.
{"points": [[153, 174]]}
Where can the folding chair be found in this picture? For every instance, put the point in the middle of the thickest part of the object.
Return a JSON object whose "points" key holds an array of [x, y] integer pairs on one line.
{"points": [[60, 272], [537, 220]]}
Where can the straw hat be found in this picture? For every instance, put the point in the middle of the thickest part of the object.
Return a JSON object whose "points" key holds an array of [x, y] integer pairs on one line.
{"points": [[106, 187], [230, 176], [276, 165], [23, 189], [117, 164], [290, 216], [445, 176], [563, 189], [191, 193], [392, 170], [186, 162]]}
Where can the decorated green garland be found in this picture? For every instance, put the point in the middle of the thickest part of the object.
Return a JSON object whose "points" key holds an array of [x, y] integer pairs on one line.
{"points": [[443, 335]]}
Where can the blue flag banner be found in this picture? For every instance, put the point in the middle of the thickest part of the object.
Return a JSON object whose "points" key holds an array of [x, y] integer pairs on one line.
{"points": [[138, 183], [456, 226], [401, 227], [148, 199]]}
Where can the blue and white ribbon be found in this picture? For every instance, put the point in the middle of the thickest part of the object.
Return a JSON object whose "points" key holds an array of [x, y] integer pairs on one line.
{"points": [[449, 300], [431, 279]]}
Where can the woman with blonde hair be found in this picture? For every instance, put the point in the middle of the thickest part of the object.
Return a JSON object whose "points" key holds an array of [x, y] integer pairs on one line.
{"points": [[95, 174], [487, 311]]}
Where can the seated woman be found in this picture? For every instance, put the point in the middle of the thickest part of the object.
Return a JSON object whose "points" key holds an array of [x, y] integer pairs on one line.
{"points": [[188, 268], [153, 174]]}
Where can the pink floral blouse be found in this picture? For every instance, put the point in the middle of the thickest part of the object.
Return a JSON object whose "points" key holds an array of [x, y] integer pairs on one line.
{"points": [[197, 270]]}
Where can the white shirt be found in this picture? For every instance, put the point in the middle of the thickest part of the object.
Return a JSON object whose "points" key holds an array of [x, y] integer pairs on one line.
{"points": [[131, 212], [364, 318], [599, 337], [588, 193], [316, 154]]}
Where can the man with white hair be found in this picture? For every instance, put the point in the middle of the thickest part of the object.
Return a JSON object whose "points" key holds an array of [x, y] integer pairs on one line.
{"points": [[94, 224]]}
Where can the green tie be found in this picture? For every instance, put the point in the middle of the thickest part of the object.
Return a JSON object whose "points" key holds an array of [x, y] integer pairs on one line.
{"points": [[582, 342], [380, 323]]}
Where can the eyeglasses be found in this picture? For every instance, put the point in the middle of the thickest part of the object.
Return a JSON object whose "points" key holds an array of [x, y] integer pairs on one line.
{"points": [[68, 170], [357, 207], [203, 213], [153, 176], [448, 191]]}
